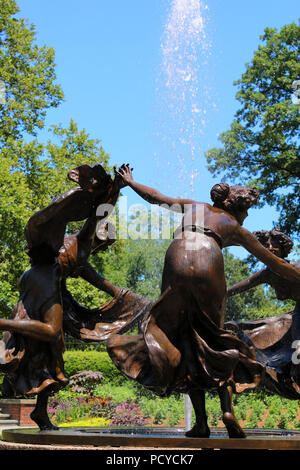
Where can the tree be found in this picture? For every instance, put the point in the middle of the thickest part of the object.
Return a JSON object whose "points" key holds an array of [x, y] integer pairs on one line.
{"points": [[32, 173], [262, 146], [27, 73], [259, 302], [137, 265]]}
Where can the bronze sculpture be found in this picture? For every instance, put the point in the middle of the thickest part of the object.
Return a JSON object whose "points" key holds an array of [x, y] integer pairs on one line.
{"points": [[183, 346], [274, 339], [34, 340]]}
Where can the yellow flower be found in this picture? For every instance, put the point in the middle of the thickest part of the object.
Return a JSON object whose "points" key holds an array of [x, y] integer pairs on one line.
{"points": [[90, 422]]}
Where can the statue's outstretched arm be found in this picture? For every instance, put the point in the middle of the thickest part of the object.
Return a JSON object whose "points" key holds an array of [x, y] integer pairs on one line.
{"points": [[276, 264], [49, 330], [89, 274], [152, 195], [252, 281]]}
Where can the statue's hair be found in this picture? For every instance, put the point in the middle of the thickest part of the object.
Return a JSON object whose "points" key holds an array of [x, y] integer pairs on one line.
{"points": [[219, 192], [233, 198], [101, 173], [285, 242], [89, 173]]}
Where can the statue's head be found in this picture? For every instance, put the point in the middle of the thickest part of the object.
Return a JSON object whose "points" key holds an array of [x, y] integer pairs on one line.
{"points": [[105, 236], [234, 199], [90, 176], [275, 241]]}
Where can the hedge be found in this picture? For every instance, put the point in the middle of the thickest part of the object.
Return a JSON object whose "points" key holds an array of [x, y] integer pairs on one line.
{"points": [[77, 361]]}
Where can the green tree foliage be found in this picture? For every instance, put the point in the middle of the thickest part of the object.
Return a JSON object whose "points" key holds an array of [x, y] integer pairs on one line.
{"points": [[137, 265], [32, 174], [262, 146], [238, 305], [28, 73], [259, 302]]}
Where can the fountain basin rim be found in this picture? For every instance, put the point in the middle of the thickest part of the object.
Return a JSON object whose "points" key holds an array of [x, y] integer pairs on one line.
{"points": [[148, 438]]}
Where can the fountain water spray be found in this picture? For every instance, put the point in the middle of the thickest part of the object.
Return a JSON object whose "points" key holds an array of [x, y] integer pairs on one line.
{"points": [[183, 91], [183, 96]]}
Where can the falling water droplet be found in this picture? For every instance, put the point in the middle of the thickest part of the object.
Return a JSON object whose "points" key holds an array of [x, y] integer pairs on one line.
{"points": [[182, 87]]}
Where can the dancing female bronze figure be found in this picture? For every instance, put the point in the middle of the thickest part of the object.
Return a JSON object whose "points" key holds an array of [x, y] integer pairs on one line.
{"points": [[34, 339], [275, 339], [183, 346]]}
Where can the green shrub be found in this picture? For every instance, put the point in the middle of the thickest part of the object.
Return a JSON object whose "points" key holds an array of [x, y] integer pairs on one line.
{"points": [[283, 422], [257, 409], [158, 409], [270, 422], [213, 410], [241, 405], [297, 424], [174, 417], [292, 408], [241, 413], [77, 361], [175, 414], [275, 404], [252, 420], [118, 394]]}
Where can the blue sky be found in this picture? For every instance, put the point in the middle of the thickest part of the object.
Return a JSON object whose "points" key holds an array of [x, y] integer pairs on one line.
{"points": [[109, 64]]}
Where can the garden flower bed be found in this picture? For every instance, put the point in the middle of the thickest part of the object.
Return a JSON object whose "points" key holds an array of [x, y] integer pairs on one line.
{"points": [[89, 401]]}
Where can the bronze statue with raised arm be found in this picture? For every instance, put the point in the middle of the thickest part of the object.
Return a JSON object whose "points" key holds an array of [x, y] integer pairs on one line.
{"points": [[33, 361], [183, 346]]}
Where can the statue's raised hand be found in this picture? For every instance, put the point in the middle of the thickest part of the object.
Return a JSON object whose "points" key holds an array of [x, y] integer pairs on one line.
{"points": [[125, 172], [118, 181]]}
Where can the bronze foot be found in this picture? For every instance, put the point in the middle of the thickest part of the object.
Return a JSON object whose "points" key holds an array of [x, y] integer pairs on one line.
{"points": [[233, 428], [198, 431]]}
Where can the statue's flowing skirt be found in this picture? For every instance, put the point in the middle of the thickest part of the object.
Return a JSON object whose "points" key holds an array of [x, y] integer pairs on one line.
{"points": [[180, 348], [275, 341], [177, 348], [30, 365]]}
